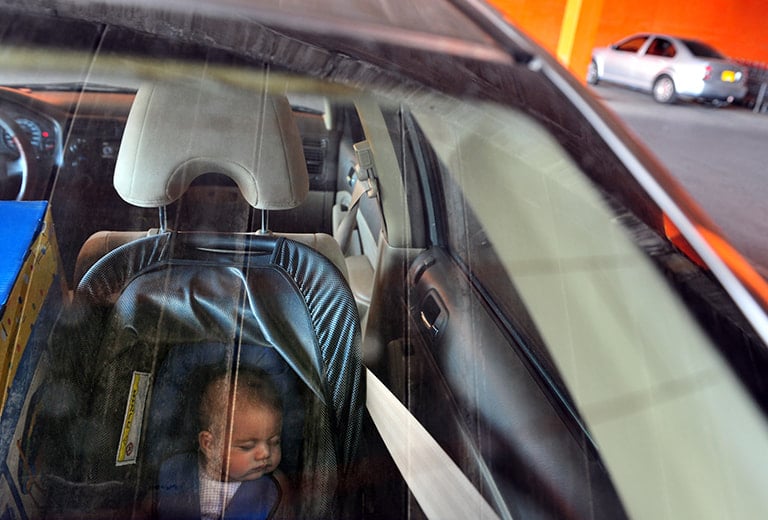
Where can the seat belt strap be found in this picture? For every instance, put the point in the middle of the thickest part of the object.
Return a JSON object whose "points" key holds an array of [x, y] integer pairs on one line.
{"points": [[438, 485], [343, 233]]}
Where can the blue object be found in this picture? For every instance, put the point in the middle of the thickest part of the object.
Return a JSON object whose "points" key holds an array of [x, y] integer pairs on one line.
{"points": [[20, 222]]}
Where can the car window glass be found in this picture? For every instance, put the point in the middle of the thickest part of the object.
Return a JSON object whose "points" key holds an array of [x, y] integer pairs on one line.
{"points": [[632, 45], [661, 47], [615, 330], [545, 255], [702, 50]]}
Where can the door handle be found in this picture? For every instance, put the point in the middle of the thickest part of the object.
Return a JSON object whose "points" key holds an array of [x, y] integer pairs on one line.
{"points": [[433, 315]]}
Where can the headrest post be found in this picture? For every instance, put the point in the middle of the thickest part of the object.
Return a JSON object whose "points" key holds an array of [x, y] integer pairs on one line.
{"points": [[264, 222], [163, 219]]}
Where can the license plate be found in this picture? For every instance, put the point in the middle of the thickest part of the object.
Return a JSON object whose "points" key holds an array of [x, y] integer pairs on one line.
{"points": [[728, 76]]}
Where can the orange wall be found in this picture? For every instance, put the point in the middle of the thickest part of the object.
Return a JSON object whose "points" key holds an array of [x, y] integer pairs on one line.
{"points": [[738, 28], [540, 19]]}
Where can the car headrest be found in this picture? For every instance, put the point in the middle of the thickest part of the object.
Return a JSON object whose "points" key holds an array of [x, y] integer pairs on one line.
{"points": [[178, 131]]}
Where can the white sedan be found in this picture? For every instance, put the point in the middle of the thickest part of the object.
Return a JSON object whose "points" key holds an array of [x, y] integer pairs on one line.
{"points": [[669, 67]]}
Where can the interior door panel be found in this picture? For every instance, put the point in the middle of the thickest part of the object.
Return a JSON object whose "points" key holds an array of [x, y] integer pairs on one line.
{"points": [[483, 402]]}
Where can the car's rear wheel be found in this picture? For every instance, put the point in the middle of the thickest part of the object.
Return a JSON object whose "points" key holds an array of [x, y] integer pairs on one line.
{"points": [[592, 76], [664, 90]]}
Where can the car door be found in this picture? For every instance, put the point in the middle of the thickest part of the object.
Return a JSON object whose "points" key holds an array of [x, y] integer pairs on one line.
{"points": [[655, 58], [621, 60], [470, 368]]}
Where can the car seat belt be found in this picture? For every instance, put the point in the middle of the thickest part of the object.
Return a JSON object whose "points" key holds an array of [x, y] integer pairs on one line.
{"points": [[366, 184], [343, 233], [437, 483]]}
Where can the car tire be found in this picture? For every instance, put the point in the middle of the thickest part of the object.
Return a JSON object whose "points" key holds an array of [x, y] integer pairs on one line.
{"points": [[664, 90], [592, 77]]}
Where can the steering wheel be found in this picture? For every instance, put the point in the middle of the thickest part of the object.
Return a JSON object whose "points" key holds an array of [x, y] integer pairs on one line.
{"points": [[15, 166]]}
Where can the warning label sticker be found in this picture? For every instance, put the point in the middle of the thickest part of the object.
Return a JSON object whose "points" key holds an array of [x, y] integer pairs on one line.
{"points": [[127, 450]]}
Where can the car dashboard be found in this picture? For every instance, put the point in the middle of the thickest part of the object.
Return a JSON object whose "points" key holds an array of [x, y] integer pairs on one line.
{"points": [[44, 134]]}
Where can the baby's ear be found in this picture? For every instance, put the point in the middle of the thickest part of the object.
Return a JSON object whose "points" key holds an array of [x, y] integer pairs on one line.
{"points": [[205, 439]]}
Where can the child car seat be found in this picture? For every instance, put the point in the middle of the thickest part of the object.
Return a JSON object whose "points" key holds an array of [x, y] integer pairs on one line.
{"points": [[151, 316], [169, 305]]}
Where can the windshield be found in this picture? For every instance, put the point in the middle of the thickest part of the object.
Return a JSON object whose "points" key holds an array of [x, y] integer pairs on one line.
{"points": [[630, 353], [317, 286]]}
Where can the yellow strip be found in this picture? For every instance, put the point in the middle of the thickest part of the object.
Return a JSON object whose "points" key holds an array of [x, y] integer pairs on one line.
{"points": [[128, 422], [568, 31]]}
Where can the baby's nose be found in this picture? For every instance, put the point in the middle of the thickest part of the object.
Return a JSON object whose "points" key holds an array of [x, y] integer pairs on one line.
{"points": [[262, 451]]}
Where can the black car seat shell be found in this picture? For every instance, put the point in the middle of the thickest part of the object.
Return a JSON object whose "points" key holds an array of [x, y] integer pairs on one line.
{"points": [[172, 305], [162, 303], [102, 242]]}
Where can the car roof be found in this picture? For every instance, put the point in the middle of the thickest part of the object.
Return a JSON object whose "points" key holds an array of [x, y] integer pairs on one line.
{"points": [[676, 38], [427, 24]]}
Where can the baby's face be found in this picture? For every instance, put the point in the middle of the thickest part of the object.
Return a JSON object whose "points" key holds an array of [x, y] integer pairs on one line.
{"points": [[255, 448]]}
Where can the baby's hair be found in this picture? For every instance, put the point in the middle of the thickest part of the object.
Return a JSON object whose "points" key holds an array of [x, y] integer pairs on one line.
{"points": [[251, 384]]}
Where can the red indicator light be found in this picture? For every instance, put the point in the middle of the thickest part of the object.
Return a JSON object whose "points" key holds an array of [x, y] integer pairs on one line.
{"points": [[45, 134]]}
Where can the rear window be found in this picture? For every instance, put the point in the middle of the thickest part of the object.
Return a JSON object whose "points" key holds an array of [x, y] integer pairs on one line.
{"points": [[702, 50]]}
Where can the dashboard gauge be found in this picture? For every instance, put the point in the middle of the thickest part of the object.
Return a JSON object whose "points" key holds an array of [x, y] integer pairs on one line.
{"points": [[31, 131]]}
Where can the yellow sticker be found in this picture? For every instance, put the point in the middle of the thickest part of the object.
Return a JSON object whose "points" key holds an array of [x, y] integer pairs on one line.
{"points": [[127, 450]]}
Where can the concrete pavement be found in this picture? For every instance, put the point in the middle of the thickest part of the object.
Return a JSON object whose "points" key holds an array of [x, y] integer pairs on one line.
{"points": [[720, 155]]}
